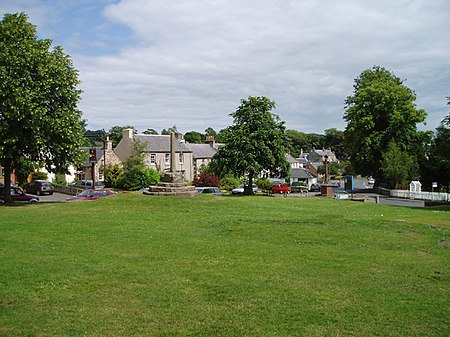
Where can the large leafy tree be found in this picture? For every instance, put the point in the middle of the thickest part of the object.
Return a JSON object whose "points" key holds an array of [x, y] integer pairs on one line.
{"points": [[194, 137], [334, 140], [396, 165], [438, 165], [381, 110], [304, 142], [39, 119], [255, 142]]}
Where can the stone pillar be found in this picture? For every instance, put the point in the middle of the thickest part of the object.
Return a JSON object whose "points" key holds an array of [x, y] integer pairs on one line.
{"points": [[172, 153]]}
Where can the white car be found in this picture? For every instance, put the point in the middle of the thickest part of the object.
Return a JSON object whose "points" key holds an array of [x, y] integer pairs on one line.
{"points": [[370, 181], [240, 189], [209, 190]]}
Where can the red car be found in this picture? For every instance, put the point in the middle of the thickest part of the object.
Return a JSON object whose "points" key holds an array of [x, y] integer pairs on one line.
{"points": [[280, 189], [91, 195], [18, 195]]}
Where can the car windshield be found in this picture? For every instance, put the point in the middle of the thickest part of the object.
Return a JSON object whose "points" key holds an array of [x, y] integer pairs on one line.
{"points": [[85, 193]]}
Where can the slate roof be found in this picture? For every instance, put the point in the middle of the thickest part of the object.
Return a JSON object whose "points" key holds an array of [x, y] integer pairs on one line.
{"points": [[202, 150], [291, 159], [99, 154], [161, 143], [301, 173], [322, 153]]}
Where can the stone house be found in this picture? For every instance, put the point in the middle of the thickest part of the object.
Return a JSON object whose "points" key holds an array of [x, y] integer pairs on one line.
{"points": [[298, 172], [318, 156], [203, 153], [157, 152], [302, 174], [104, 156], [293, 162]]}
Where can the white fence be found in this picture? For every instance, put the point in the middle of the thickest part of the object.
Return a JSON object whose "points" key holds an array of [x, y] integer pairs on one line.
{"points": [[433, 196]]}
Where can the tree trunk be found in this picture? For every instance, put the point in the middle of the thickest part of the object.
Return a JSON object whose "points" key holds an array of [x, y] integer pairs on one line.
{"points": [[248, 189]]}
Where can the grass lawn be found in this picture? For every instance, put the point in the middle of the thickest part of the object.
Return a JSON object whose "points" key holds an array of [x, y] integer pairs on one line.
{"points": [[136, 265]]}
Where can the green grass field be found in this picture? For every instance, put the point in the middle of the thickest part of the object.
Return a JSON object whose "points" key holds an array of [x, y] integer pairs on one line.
{"points": [[135, 265]]}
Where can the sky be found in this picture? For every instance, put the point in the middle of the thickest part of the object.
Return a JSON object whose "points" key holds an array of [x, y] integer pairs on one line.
{"points": [[158, 64]]}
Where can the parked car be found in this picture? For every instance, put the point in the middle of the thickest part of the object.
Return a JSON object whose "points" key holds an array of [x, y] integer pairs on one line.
{"points": [[209, 190], [370, 180], [335, 184], [91, 195], [314, 188], [280, 189], [87, 184], [240, 189], [299, 187], [39, 187], [18, 195]]}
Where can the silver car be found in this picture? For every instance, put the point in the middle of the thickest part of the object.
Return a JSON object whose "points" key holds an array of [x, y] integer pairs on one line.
{"points": [[240, 189]]}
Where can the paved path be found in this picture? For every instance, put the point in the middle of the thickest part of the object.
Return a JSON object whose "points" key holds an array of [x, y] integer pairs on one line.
{"points": [[402, 202], [55, 197]]}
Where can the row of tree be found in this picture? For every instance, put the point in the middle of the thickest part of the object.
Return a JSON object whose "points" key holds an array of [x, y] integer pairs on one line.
{"points": [[41, 124]]}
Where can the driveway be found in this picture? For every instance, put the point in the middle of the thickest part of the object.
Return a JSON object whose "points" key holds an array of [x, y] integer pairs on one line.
{"points": [[55, 197]]}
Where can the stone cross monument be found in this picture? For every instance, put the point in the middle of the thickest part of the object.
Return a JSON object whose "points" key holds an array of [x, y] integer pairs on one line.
{"points": [[172, 183]]}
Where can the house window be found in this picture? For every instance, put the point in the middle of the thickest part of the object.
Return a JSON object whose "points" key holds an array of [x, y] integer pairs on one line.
{"points": [[181, 158], [167, 158], [152, 159]]}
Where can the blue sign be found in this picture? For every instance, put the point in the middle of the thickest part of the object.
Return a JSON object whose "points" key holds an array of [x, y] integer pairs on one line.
{"points": [[349, 183]]}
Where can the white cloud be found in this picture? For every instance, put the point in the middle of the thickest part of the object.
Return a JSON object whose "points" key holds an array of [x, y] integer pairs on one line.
{"points": [[189, 63]]}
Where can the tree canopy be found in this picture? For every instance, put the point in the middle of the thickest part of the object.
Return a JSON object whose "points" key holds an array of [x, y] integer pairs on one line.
{"points": [[438, 164], [116, 133], [255, 142], [39, 119], [381, 109], [194, 137]]}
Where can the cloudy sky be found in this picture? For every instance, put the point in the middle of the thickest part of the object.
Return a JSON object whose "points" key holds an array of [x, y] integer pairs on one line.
{"points": [[158, 63]]}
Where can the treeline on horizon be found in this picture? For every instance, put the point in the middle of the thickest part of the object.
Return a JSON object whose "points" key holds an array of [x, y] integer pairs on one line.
{"points": [[297, 141]]}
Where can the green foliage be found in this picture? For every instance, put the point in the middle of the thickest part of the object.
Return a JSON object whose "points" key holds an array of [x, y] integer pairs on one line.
{"points": [[39, 119], [264, 184], [229, 182], [194, 137], [116, 133], [60, 179], [396, 165], [380, 110], [334, 169], [96, 136], [210, 132], [39, 175], [113, 176], [441, 152], [23, 168], [255, 142], [221, 136], [303, 142], [135, 178], [334, 140], [169, 130], [150, 132], [135, 174]]}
